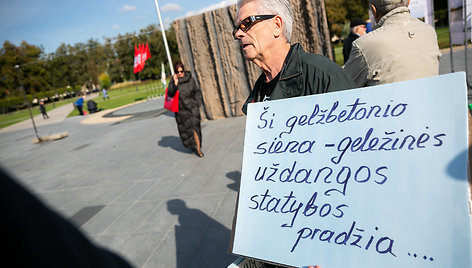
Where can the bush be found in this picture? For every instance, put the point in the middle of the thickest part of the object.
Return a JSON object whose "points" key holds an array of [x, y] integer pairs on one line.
{"points": [[40, 95], [12, 104], [104, 80]]}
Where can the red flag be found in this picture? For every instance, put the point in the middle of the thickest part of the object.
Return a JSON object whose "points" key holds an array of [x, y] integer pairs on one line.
{"points": [[148, 53], [142, 57], [136, 61], [141, 54]]}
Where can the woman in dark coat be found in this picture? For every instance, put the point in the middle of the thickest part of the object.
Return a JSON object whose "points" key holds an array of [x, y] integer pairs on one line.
{"points": [[188, 116]]}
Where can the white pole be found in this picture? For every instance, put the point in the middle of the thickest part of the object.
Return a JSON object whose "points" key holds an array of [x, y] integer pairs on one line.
{"points": [[466, 40], [450, 35], [431, 8], [171, 66]]}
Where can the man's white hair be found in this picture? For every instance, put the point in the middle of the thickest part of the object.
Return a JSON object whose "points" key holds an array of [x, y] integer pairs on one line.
{"points": [[274, 7], [385, 6]]}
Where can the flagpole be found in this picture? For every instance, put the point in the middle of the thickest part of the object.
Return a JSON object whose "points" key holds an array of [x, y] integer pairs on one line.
{"points": [[466, 41], [450, 36], [17, 67], [171, 66]]}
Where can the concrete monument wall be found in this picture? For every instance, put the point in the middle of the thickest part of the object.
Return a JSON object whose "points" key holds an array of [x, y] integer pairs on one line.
{"points": [[208, 50]]}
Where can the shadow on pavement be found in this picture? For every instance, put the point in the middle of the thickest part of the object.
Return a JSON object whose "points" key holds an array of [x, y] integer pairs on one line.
{"points": [[200, 240], [236, 177], [174, 143]]}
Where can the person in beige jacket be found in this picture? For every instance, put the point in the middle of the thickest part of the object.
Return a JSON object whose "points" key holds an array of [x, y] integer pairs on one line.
{"points": [[400, 48]]}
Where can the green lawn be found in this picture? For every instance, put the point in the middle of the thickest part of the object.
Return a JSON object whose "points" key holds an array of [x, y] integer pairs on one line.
{"points": [[338, 54], [21, 115], [118, 98], [123, 96], [443, 37]]}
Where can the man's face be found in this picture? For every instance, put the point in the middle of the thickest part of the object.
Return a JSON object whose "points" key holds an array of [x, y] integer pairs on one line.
{"points": [[259, 37], [361, 30]]}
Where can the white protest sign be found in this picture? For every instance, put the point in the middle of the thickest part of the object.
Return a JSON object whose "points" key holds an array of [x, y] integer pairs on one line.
{"points": [[372, 177]]}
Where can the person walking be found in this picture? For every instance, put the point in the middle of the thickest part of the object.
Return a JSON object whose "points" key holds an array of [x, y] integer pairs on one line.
{"points": [[400, 48], [42, 109], [105, 94], [188, 117]]}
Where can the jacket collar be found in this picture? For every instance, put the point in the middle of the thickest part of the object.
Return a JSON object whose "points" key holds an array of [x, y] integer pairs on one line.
{"points": [[292, 65], [394, 12], [186, 77], [292, 68]]}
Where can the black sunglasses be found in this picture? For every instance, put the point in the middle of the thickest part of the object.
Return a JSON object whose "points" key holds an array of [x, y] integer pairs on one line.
{"points": [[247, 23]]}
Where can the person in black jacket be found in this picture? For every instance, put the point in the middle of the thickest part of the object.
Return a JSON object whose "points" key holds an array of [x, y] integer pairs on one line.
{"points": [[263, 30], [42, 109], [188, 116], [358, 29], [92, 107]]}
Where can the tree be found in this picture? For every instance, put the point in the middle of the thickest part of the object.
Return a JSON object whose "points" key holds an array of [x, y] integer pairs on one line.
{"points": [[31, 69], [104, 80], [125, 55], [357, 9], [8, 59], [337, 16], [78, 65], [340, 12], [111, 62], [59, 67]]}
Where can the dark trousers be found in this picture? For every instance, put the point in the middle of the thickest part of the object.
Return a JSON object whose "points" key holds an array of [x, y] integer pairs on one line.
{"points": [[80, 110]]}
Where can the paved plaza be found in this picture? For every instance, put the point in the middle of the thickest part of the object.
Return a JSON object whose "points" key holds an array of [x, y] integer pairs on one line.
{"points": [[123, 177], [458, 64], [132, 187]]}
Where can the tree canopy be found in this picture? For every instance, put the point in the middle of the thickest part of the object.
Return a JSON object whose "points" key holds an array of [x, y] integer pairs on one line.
{"points": [[340, 12], [81, 64]]}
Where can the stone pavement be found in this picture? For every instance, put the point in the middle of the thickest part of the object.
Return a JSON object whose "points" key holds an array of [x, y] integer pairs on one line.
{"points": [[458, 64], [132, 187], [56, 115]]}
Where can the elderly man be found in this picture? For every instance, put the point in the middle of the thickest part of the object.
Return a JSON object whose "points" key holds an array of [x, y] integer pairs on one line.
{"points": [[358, 28], [401, 48], [264, 29]]}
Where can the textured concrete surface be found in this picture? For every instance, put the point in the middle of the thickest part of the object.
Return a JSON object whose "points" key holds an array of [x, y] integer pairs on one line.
{"points": [[116, 180], [55, 116], [458, 64]]}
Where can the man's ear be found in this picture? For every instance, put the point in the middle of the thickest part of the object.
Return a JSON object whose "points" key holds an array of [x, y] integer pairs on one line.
{"points": [[374, 12], [278, 23]]}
